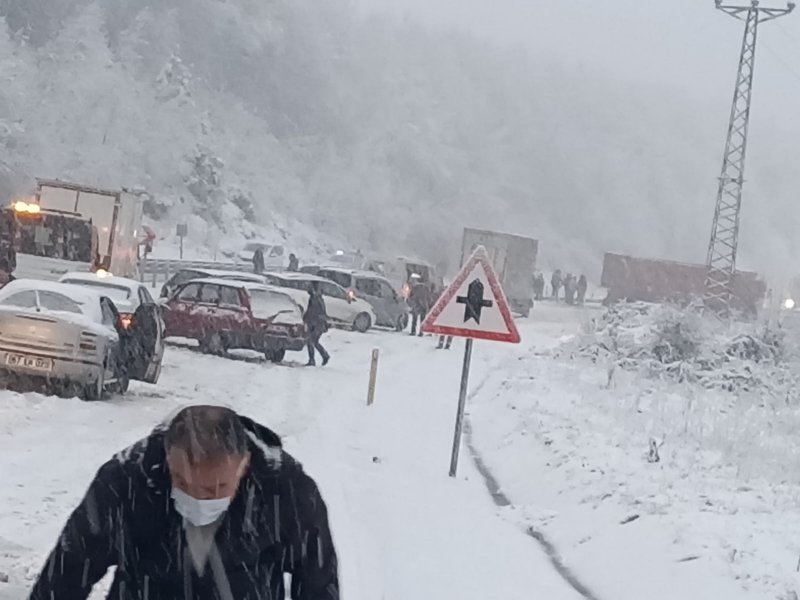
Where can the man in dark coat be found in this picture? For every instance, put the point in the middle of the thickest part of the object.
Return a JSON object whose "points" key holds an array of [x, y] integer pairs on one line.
{"points": [[419, 299], [583, 285], [259, 264], [316, 320], [207, 507], [294, 263]]}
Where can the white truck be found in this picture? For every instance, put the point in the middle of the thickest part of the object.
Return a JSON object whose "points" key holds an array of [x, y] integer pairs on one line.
{"points": [[71, 227], [514, 260]]}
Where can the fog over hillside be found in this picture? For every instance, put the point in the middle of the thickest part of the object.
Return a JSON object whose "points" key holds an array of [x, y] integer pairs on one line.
{"points": [[330, 124]]}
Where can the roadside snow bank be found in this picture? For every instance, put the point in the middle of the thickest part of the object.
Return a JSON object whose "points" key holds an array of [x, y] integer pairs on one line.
{"points": [[657, 482], [671, 343]]}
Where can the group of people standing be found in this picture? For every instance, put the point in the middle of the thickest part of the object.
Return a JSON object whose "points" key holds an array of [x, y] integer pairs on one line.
{"points": [[421, 297], [574, 288]]}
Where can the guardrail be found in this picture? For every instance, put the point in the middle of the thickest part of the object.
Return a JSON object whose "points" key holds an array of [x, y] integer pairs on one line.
{"points": [[153, 271]]}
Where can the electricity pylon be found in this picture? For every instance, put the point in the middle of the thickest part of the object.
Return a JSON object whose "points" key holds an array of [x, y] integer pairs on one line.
{"points": [[721, 261]]}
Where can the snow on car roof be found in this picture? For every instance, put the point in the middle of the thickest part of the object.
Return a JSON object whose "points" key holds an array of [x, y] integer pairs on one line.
{"points": [[224, 274], [110, 280], [293, 275], [355, 272]]}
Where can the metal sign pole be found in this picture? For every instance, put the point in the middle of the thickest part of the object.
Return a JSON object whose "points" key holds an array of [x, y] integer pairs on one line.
{"points": [[462, 401]]}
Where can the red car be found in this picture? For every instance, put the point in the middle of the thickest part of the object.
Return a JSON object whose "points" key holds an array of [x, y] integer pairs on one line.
{"points": [[223, 314]]}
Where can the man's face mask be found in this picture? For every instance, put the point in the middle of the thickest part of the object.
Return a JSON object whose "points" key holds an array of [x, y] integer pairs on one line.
{"points": [[199, 512], [203, 492]]}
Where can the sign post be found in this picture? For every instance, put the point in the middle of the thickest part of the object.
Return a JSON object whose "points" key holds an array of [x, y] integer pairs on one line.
{"points": [[466, 310], [182, 231]]}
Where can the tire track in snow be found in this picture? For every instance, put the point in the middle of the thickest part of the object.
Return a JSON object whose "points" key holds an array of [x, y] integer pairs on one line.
{"points": [[502, 501]]}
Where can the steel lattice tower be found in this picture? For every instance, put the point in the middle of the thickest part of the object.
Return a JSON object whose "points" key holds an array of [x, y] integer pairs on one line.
{"points": [[721, 261]]}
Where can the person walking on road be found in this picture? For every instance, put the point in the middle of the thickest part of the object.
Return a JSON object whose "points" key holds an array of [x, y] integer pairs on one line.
{"points": [[570, 286], [207, 507], [556, 282], [583, 285], [420, 301], [538, 287], [259, 264], [294, 264], [316, 320], [445, 341]]}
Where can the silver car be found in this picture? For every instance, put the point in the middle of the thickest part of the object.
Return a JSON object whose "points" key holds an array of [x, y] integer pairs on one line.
{"points": [[73, 336]]}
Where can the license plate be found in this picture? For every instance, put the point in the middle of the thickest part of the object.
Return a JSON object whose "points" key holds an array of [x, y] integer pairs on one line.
{"points": [[29, 362]]}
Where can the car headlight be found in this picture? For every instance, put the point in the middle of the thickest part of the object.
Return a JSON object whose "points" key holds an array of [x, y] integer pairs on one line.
{"points": [[788, 304]]}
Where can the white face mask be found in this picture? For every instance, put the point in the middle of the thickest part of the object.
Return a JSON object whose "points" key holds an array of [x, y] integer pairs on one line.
{"points": [[199, 512]]}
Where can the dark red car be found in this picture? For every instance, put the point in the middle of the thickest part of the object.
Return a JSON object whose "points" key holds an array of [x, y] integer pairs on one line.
{"points": [[223, 314]]}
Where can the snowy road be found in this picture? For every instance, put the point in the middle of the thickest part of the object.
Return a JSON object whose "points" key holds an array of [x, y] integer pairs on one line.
{"points": [[403, 528]]}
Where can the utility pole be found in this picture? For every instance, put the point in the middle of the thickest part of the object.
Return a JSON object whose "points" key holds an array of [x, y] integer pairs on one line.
{"points": [[721, 260]]}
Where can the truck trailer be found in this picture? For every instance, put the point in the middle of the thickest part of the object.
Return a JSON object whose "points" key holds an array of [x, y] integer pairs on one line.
{"points": [[514, 260]]}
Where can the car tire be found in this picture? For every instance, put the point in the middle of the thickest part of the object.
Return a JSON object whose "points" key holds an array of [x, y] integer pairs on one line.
{"points": [[402, 323], [275, 356], [213, 344], [95, 390], [362, 323]]}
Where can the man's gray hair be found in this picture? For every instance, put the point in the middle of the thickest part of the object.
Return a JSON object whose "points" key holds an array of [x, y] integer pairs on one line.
{"points": [[207, 433]]}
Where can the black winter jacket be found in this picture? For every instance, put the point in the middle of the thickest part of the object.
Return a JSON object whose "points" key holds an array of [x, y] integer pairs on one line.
{"points": [[276, 524], [316, 315]]}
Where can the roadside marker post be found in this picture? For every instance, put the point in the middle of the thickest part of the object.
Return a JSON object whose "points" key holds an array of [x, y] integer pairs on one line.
{"points": [[466, 310], [373, 377]]}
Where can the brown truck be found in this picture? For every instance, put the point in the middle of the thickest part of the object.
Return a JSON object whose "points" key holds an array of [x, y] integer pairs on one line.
{"points": [[651, 280]]}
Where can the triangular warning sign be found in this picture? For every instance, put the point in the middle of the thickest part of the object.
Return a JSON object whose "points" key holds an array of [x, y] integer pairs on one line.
{"points": [[474, 306]]}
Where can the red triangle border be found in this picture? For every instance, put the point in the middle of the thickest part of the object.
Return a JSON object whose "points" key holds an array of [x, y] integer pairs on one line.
{"points": [[478, 257]]}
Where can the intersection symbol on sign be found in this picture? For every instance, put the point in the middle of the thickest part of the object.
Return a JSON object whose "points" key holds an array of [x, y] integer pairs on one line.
{"points": [[474, 301], [474, 306]]}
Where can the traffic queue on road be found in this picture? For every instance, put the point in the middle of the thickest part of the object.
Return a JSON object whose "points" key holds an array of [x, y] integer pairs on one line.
{"points": [[90, 333]]}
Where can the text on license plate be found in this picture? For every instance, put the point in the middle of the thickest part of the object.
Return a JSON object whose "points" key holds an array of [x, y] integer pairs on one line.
{"points": [[29, 362]]}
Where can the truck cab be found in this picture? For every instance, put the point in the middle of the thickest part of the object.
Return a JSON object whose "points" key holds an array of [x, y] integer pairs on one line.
{"points": [[71, 227]]}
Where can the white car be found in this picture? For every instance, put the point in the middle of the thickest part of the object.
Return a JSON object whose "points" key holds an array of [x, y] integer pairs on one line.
{"points": [[274, 255], [126, 294], [344, 310], [71, 336]]}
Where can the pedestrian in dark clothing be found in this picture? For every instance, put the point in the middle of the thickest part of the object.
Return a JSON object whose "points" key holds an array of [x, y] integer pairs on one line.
{"points": [[294, 264], [570, 286], [316, 320], [556, 282], [583, 285], [259, 266], [420, 302], [538, 286], [207, 507], [445, 342], [6, 275]]}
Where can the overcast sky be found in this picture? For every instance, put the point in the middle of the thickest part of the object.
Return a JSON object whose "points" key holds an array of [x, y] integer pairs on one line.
{"points": [[686, 44]]}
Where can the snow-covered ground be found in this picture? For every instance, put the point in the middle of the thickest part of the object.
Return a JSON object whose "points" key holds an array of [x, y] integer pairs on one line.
{"points": [[716, 517], [713, 519], [404, 529]]}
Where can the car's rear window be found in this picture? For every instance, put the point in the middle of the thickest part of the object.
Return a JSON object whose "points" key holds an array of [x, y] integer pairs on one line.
{"points": [[26, 299], [343, 279], [47, 300], [266, 304], [115, 292]]}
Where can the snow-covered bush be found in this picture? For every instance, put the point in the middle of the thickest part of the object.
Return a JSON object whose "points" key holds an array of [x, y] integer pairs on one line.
{"points": [[681, 344]]}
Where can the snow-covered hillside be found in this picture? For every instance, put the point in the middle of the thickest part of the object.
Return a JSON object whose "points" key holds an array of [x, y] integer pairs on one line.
{"points": [[377, 134]]}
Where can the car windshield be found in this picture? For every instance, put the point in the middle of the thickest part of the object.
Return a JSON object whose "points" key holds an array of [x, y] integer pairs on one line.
{"points": [[115, 292], [266, 304]]}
